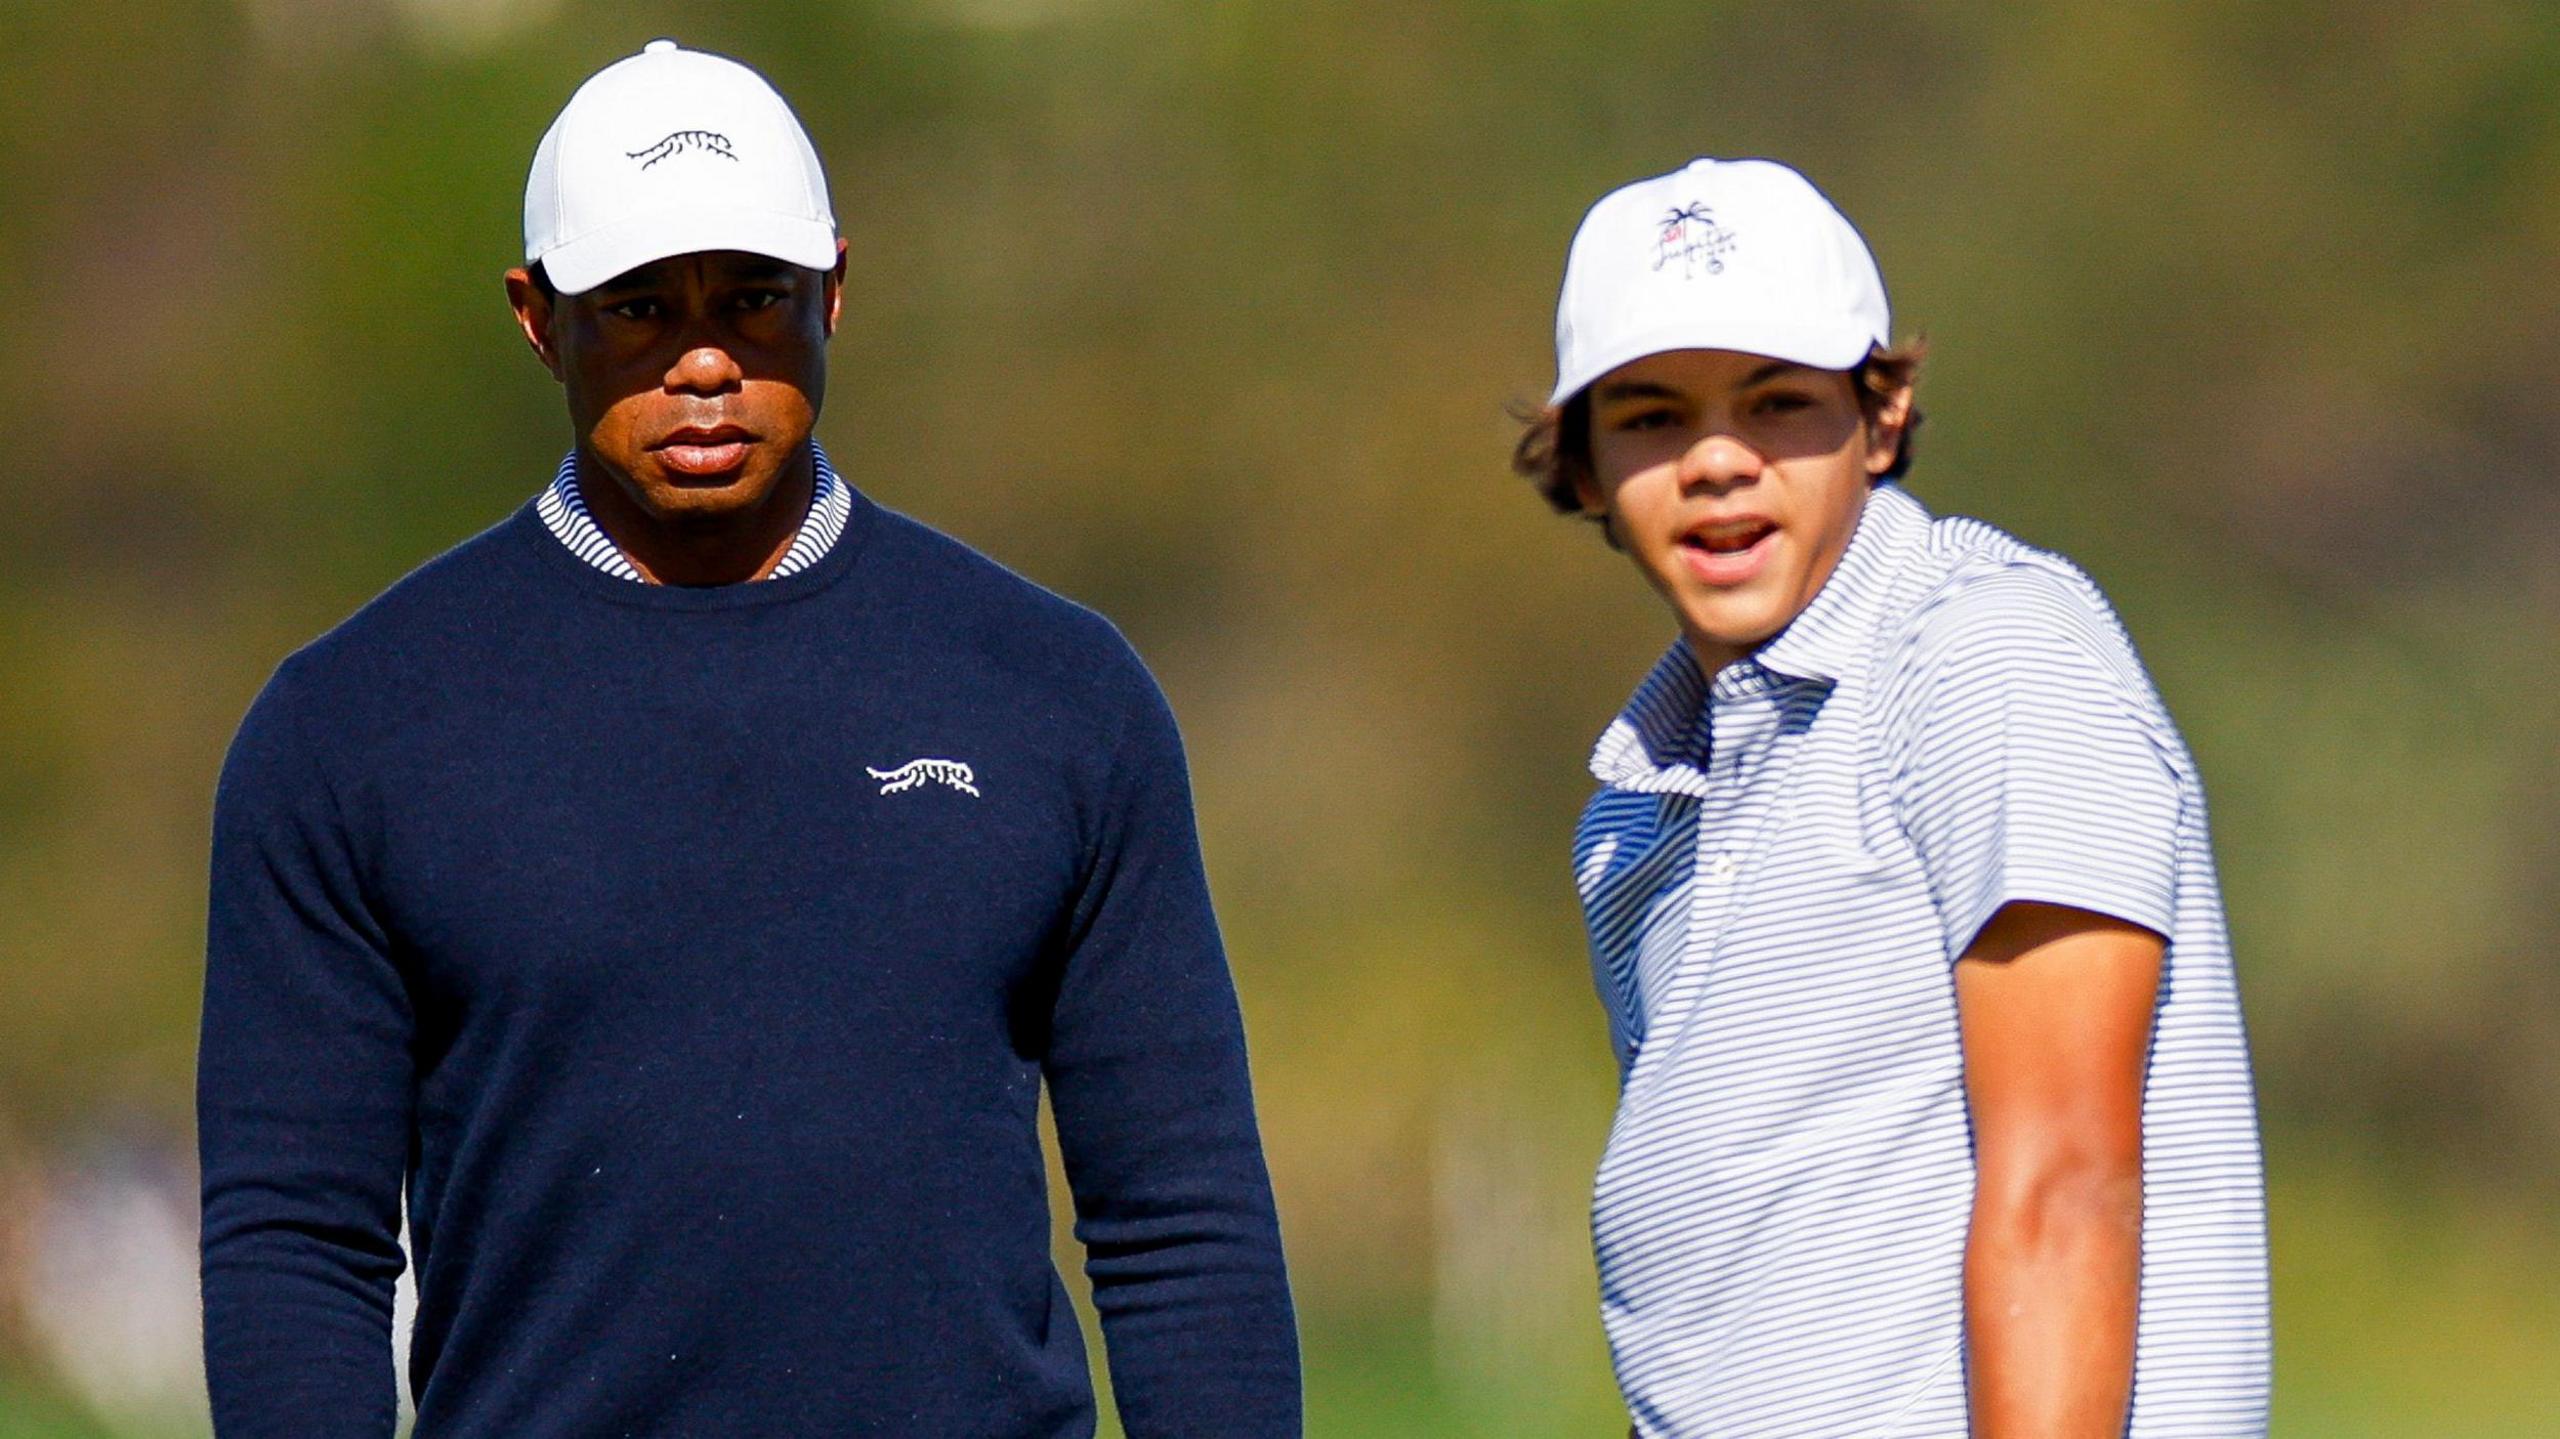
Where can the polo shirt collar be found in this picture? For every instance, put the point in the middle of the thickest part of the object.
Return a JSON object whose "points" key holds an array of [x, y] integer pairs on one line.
{"points": [[1657, 745], [562, 507], [1826, 641]]}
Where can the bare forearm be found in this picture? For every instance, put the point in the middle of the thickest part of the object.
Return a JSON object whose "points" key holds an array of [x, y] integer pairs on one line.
{"points": [[2051, 1286], [2056, 1005]]}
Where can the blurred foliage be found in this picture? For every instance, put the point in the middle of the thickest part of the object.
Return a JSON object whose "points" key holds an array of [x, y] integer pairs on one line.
{"points": [[27, 1413], [1208, 312]]}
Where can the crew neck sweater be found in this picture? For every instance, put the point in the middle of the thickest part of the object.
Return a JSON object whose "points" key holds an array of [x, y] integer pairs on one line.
{"points": [[688, 963]]}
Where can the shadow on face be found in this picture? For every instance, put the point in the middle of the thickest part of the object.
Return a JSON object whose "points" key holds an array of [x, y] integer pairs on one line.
{"points": [[1734, 482], [1763, 411], [694, 381]]}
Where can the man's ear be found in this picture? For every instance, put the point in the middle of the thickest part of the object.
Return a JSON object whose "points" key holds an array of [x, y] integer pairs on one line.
{"points": [[1886, 427], [533, 317], [835, 289]]}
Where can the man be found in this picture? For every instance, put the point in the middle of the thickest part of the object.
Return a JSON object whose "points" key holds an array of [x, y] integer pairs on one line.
{"points": [[676, 897], [1935, 1110]]}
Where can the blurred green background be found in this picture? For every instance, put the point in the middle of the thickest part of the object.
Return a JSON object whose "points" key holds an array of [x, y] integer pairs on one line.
{"points": [[1208, 314]]}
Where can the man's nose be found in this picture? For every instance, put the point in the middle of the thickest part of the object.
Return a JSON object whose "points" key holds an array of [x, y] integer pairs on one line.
{"points": [[1719, 459], [704, 369]]}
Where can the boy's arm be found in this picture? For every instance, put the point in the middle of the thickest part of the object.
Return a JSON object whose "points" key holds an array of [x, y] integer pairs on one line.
{"points": [[303, 1104], [2045, 796], [1146, 1071], [2056, 1006]]}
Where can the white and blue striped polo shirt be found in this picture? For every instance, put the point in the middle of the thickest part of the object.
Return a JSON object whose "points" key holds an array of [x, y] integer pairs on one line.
{"points": [[1778, 874], [564, 512]]}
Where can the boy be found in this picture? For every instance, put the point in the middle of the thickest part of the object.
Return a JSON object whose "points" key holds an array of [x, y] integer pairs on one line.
{"points": [[1935, 1110]]}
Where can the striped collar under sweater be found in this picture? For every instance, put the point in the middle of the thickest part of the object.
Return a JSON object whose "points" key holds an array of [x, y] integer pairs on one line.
{"points": [[564, 513]]}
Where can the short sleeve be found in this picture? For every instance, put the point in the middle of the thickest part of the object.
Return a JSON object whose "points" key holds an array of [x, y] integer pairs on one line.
{"points": [[2031, 762]]}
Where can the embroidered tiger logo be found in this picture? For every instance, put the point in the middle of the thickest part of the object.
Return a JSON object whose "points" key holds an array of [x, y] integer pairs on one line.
{"points": [[709, 142], [919, 771]]}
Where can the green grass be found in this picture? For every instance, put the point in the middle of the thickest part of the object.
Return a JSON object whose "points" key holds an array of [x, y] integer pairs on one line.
{"points": [[27, 1412], [2401, 1309], [2413, 1312]]}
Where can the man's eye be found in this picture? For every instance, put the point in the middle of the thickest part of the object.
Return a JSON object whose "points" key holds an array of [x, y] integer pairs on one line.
{"points": [[1644, 420], [636, 309], [1781, 403], [759, 299]]}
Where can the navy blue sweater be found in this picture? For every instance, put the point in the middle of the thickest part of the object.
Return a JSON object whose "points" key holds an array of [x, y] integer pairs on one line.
{"points": [[707, 1062]]}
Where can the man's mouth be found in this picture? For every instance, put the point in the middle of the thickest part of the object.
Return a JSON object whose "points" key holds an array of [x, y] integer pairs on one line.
{"points": [[1727, 552], [703, 451]]}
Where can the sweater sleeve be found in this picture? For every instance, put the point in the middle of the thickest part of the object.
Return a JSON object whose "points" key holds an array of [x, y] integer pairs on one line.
{"points": [[1147, 1075], [303, 1103]]}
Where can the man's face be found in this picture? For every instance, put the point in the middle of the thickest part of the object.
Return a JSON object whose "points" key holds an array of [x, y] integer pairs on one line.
{"points": [[1734, 482], [692, 380]]}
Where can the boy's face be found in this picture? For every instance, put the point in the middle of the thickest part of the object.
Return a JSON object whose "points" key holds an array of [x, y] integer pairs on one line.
{"points": [[1734, 482]]}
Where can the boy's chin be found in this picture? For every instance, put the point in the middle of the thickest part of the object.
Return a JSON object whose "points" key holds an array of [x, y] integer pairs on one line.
{"points": [[1738, 628]]}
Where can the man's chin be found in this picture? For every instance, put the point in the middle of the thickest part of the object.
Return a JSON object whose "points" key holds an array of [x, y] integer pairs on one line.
{"points": [[674, 497]]}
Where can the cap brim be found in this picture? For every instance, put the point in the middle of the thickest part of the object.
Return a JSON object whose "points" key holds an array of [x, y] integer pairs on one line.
{"points": [[590, 260], [1822, 348]]}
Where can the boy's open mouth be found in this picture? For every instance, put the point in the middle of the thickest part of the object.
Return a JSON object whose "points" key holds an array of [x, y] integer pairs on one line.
{"points": [[1729, 537], [1727, 552]]}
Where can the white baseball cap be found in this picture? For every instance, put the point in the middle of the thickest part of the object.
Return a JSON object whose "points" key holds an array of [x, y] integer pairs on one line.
{"points": [[1720, 255], [668, 152]]}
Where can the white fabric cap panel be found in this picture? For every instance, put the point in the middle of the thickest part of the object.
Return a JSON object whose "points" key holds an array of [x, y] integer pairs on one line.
{"points": [[1720, 255], [669, 152]]}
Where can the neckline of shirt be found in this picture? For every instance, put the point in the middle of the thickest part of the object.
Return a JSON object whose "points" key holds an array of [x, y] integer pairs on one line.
{"points": [[563, 508], [1653, 744], [829, 537]]}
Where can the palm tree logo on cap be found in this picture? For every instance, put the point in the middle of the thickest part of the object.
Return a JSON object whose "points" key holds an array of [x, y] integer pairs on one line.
{"points": [[1691, 235]]}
